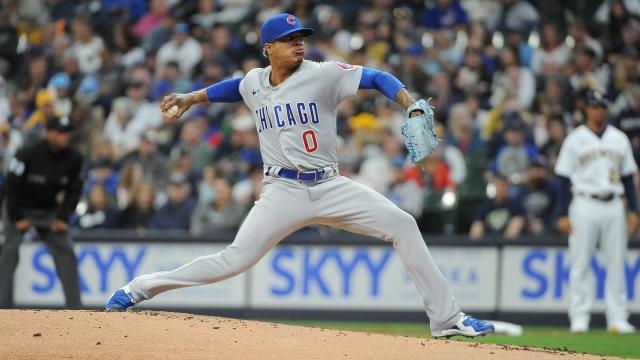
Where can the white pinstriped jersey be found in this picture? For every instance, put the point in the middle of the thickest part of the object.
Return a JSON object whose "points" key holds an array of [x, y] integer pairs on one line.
{"points": [[296, 120]]}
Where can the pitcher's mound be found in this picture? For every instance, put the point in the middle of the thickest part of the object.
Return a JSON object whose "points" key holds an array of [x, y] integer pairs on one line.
{"points": [[49, 334]]}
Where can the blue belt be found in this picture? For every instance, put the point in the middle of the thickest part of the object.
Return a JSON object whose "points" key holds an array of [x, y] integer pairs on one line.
{"points": [[313, 175]]}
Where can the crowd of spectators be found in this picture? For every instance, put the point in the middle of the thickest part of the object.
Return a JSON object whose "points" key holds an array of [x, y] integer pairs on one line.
{"points": [[505, 77]]}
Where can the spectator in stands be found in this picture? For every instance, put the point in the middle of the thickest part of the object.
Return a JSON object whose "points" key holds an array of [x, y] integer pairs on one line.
{"points": [[98, 213], [499, 216], [103, 174], [182, 163], [192, 136], [45, 109], [628, 119], [517, 14], [513, 81], [553, 54], [248, 190], [5, 107], [154, 164], [221, 212], [617, 18], [59, 86], [444, 14], [157, 15], [170, 80], [87, 46], [233, 11], [437, 174], [451, 155], [514, 157], [138, 213], [412, 72], [473, 78], [516, 38], [406, 194], [182, 48], [176, 213], [557, 132], [582, 39], [555, 98], [71, 67], [131, 116], [461, 133], [587, 73], [130, 178], [35, 78], [206, 16], [126, 47], [539, 198]]}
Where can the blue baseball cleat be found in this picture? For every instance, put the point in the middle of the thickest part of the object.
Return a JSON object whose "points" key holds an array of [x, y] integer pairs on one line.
{"points": [[120, 300], [467, 326]]}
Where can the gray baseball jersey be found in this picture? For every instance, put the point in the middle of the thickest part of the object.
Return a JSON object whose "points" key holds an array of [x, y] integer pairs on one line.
{"points": [[296, 123], [296, 120]]}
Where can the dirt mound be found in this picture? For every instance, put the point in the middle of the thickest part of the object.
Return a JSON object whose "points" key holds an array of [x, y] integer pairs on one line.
{"points": [[48, 334]]}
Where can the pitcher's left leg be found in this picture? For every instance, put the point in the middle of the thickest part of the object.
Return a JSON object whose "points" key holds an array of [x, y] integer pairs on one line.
{"points": [[356, 208]]}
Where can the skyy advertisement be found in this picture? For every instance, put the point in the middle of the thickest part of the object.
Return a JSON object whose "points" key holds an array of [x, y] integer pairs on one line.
{"points": [[368, 278]]}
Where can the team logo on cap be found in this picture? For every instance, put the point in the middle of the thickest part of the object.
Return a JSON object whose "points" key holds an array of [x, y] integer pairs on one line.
{"points": [[343, 66], [291, 20]]}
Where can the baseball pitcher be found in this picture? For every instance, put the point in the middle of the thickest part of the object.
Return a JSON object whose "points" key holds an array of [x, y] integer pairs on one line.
{"points": [[294, 104]]}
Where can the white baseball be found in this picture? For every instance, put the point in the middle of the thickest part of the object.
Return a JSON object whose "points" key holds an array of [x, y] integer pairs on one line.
{"points": [[173, 111]]}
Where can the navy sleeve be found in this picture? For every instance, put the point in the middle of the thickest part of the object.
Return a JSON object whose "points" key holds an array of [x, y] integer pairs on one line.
{"points": [[564, 195], [382, 81], [225, 91], [630, 192]]}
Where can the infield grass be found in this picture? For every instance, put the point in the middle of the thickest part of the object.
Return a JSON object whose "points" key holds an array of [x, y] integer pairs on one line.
{"points": [[597, 341]]}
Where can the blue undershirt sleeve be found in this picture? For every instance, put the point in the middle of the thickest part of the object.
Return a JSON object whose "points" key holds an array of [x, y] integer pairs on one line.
{"points": [[630, 192], [382, 81], [564, 195], [225, 91]]}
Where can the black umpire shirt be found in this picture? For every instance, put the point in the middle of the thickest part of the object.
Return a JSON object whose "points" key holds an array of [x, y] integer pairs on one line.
{"points": [[36, 178]]}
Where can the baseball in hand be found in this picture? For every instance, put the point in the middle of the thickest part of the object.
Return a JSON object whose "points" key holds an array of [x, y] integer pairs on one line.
{"points": [[173, 111]]}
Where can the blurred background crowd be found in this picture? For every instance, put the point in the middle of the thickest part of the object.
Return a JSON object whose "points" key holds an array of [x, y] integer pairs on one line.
{"points": [[507, 79]]}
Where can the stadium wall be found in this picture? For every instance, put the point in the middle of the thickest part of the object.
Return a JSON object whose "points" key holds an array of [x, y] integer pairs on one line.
{"points": [[337, 276]]}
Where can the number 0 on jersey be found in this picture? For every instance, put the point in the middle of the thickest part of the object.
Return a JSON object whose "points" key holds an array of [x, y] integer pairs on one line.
{"points": [[310, 141]]}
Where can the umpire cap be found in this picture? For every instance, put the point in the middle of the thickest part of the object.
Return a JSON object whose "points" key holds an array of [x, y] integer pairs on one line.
{"points": [[59, 124], [596, 98], [280, 26]]}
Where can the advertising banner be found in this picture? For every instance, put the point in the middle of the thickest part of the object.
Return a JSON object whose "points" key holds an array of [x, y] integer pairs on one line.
{"points": [[537, 278], [367, 278], [104, 267]]}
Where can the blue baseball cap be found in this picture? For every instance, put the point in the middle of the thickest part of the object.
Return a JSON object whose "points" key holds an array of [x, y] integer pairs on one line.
{"points": [[280, 26]]}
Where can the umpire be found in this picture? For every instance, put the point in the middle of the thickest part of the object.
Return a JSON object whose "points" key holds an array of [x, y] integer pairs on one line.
{"points": [[42, 189]]}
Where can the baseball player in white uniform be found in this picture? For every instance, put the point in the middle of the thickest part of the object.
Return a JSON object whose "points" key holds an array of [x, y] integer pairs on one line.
{"points": [[294, 104], [597, 162]]}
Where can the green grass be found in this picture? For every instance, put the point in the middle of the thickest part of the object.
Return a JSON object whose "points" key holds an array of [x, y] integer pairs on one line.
{"points": [[597, 341]]}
